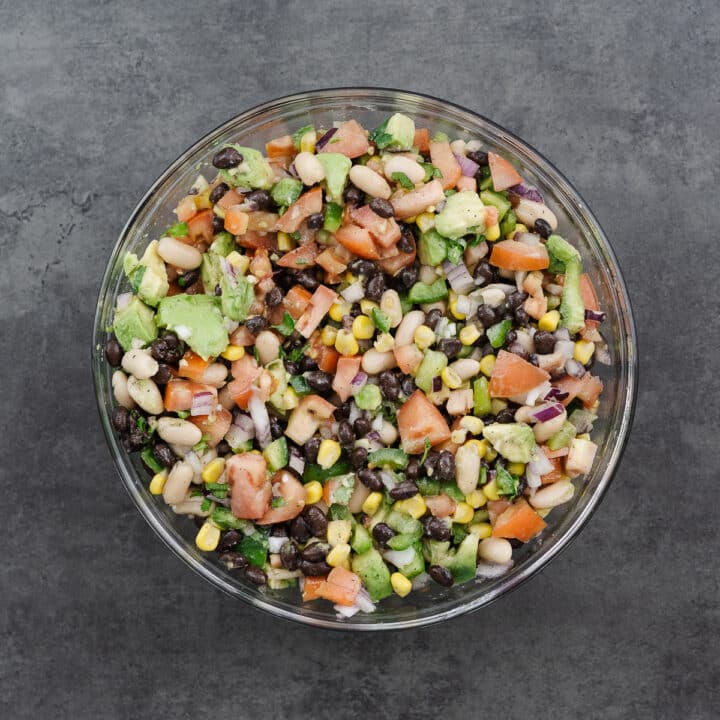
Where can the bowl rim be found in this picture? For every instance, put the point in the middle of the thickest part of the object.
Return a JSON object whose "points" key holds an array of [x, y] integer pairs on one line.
{"points": [[531, 567]]}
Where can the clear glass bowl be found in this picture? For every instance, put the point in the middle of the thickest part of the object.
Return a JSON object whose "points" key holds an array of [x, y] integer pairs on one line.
{"points": [[370, 106]]}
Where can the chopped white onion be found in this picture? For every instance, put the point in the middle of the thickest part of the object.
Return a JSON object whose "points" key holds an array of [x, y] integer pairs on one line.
{"points": [[355, 413], [565, 348], [520, 276], [466, 305], [353, 293], [236, 436], [275, 543], [193, 461], [420, 581], [603, 356], [346, 611], [562, 334], [388, 480], [527, 238], [261, 419], [400, 557], [123, 300], [377, 423], [297, 464], [364, 602], [540, 391]]}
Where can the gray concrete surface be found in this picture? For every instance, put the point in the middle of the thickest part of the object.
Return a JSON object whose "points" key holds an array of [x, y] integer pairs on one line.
{"points": [[97, 619]]}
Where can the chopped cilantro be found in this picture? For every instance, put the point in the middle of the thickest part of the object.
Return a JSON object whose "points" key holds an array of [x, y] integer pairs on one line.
{"points": [[298, 352], [205, 505], [179, 229], [202, 446], [403, 180], [286, 326], [507, 484], [455, 250], [381, 138], [426, 451], [295, 235], [479, 238], [430, 171], [278, 502], [150, 460], [300, 385]]}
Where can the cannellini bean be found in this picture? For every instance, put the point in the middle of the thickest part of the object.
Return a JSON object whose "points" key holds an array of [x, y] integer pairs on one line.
{"points": [[412, 169], [407, 327], [473, 145], [178, 254], [178, 483], [459, 402], [458, 147], [120, 391], [427, 274], [545, 430], [268, 346], [309, 168], [146, 394], [553, 495], [467, 468], [140, 364], [388, 433], [466, 368], [177, 431], [495, 550], [524, 415], [528, 211], [193, 506], [225, 399], [214, 375], [390, 304], [369, 181], [374, 362]]}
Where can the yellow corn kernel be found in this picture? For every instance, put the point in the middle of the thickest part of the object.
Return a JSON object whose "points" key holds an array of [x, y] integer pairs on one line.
{"points": [[583, 436], [367, 306], [424, 337], [213, 470], [458, 436], [472, 424], [208, 536], [480, 445], [492, 233], [240, 262], [455, 312], [157, 484], [339, 556], [338, 310], [220, 212], [202, 200], [490, 453], [338, 532], [384, 342], [414, 506], [328, 453], [583, 351], [475, 499], [400, 584], [519, 227], [425, 221], [463, 513], [516, 468], [372, 503], [490, 490], [410, 219], [346, 344], [313, 492], [451, 378], [363, 328], [487, 364], [469, 334], [290, 399], [350, 278], [328, 335], [549, 321], [233, 352], [285, 242], [307, 142], [483, 529]]}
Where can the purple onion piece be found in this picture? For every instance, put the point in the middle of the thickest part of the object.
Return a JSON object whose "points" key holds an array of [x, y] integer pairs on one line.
{"points": [[529, 192], [292, 171], [594, 315], [555, 394], [468, 167], [547, 412], [436, 384], [323, 141], [358, 382], [297, 464]]}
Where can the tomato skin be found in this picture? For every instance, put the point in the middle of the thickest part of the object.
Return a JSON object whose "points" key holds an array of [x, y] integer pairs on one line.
{"points": [[512, 375], [179, 394], [350, 140], [441, 156], [296, 301], [340, 587], [192, 366], [587, 388], [250, 490], [503, 174], [417, 201], [292, 491], [422, 140], [347, 369], [514, 255], [320, 302], [307, 204], [236, 220], [519, 522], [301, 257], [358, 241], [214, 426], [200, 228], [385, 231], [280, 147], [244, 372], [418, 419]]}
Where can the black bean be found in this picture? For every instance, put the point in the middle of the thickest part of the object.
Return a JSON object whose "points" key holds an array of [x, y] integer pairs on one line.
{"points": [[289, 556], [362, 426], [113, 351], [316, 520], [436, 529], [223, 447], [234, 560], [441, 575], [486, 315], [542, 228], [163, 453], [408, 385], [308, 364], [228, 540], [477, 156], [510, 337], [412, 471], [311, 448], [450, 346], [521, 317], [406, 243], [408, 276], [370, 479], [315, 221], [218, 224], [382, 533], [347, 323], [228, 157], [431, 461], [517, 349], [516, 299], [320, 381], [375, 288], [358, 458], [353, 195], [311, 569], [261, 199], [445, 469], [120, 419], [363, 267], [485, 272], [389, 385], [544, 342], [299, 529], [431, 319], [404, 490], [345, 434], [343, 411], [256, 324], [506, 415], [276, 427], [273, 297], [218, 191], [382, 207], [163, 376], [316, 552], [166, 351], [256, 575]]}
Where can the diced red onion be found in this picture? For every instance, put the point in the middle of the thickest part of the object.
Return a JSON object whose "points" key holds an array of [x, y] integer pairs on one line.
{"points": [[546, 412], [123, 300], [594, 315], [374, 436], [346, 611], [437, 384], [530, 192], [245, 423], [261, 419], [275, 543], [353, 293], [458, 276], [297, 464], [292, 171], [358, 383], [468, 167], [555, 394], [203, 403], [323, 141], [488, 571], [574, 369]]}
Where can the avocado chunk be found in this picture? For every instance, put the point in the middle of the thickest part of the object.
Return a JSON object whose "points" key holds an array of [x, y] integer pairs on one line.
{"points": [[514, 441], [254, 171], [237, 294], [572, 307], [148, 275], [276, 454], [421, 292], [361, 541], [496, 199], [197, 320], [286, 191], [374, 573], [415, 566], [401, 129], [337, 168], [223, 244], [136, 321], [463, 213], [432, 248]]}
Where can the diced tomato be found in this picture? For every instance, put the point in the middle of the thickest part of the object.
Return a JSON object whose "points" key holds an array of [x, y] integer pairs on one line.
{"points": [[280, 147], [250, 490], [330, 486], [301, 257], [587, 388], [497, 508], [514, 255], [260, 265], [470, 183], [503, 174], [385, 231], [312, 587], [252, 240], [334, 260], [441, 156], [186, 208], [350, 140], [286, 486], [589, 298], [179, 394], [519, 522], [347, 369], [244, 372], [492, 215], [550, 454], [262, 221], [358, 241], [440, 506], [327, 359], [422, 140], [417, 201], [213, 426], [307, 204], [192, 366], [296, 301], [242, 336], [408, 357], [341, 587], [200, 227], [320, 302], [393, 265], [419, 420], [555, 474], [535, 307], [236, 220], [230, 198], [512, 375]]}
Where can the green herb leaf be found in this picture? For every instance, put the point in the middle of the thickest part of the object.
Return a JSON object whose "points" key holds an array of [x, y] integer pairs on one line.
{"points": [[183, 413], [205, 505], [286, 326], [201, 446], [179, 229], [225, 520], [380, 319], [278, 502], [479, 238], [298, 352], [430, 172], [255, 548], [403, 180], [298, 135], [381, 138], [507, 484], [150, 460], [300, 385], [455, 250], [426, 451], [137, 277], [295, 235]]}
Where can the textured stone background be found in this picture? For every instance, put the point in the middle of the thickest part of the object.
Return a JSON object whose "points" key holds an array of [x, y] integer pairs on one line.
{"points": [[97, 619]]}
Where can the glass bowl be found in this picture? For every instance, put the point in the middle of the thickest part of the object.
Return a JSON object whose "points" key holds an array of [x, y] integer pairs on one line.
{"points": [[370, 106]]}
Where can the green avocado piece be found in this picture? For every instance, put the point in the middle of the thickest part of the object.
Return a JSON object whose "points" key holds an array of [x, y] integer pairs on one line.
{"points": [[432, 248], [514, 441], [402, 130], [416, 565], [463, 213], [374, 573], [421, 293], [337, 167], [254, 171], [572, 307], [461, 563], [237, 294], [361, 541], [223, 244], [496, 199], [404, 524], [286, 191], [148, 275], [136, 321], [369, 398], [276, 454], [197, 320]]}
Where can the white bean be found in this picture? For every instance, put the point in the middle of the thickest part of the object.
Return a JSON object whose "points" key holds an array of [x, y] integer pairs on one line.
{"points": [[553, 495], [545, 430], [369, 181], [459, 402], [268, 346], [146, 394], [466, 368], [473, 145], [408, 325], [140, 364], [528, 211], [458, 147], [427, 274], [215, 375], [467, 468], [495, 550], [399, 164], [524, 415], [120, 391], [178, 254], [178, 431], [225, 399], [388, 433], [309, 168], [390, 304], [374, 362], [193, 506], [178, 483]]}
